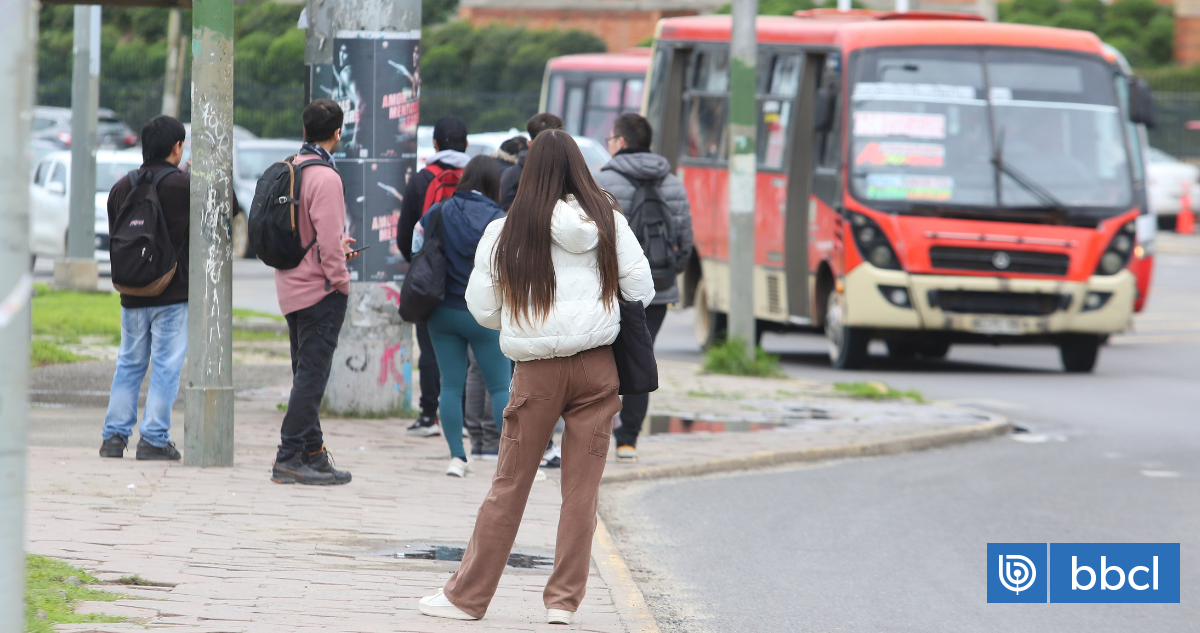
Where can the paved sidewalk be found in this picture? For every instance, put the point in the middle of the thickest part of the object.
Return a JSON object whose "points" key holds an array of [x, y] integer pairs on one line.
{"points": [[235, 552]]}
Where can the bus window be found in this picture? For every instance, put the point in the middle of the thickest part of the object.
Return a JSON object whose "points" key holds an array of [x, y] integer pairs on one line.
{"points": [[660, 75], [604, 104], [782, 79], [633, 95], [573, 113], [554, 102], [706, 107]]}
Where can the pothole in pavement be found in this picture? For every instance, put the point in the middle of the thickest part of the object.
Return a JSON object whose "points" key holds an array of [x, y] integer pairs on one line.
{"points": [[454, 553]]}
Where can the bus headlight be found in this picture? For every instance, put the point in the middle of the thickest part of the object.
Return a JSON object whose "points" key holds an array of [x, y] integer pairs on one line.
{"points": [[872, 243], [1095, 301], [1116, 256]]}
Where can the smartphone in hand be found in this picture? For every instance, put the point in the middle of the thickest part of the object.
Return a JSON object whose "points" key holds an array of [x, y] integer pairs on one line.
{"points": [[356, 251]]}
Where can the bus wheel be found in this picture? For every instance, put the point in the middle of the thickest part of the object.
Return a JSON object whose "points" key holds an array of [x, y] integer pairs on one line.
{"points": [[709, 326], [1079, 351], [901, 349], [847, 345]]}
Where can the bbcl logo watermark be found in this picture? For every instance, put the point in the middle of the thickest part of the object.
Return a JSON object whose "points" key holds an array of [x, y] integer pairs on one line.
{"points": [[1083, 572]]}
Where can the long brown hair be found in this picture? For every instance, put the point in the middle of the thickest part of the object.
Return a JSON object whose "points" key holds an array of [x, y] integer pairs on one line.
{"points": [[554, 169]]}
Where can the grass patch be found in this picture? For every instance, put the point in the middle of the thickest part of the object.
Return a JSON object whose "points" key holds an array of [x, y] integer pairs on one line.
{"points": [[42, 353], [258, 335], [50, 594], [875, 390], [730, 358], [68, 315], [692, 393], [242, 313]]}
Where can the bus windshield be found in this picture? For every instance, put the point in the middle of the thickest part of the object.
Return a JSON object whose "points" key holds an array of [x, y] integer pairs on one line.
{"points": [[987, 130]]}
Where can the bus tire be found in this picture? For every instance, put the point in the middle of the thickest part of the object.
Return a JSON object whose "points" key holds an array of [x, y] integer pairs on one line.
{"points": [[1079, 352], [902, 349], [847, 345], [709, 326], [934, 350]]}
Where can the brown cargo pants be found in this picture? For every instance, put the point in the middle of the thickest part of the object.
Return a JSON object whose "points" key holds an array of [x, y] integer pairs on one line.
{"points": [[583, 390]]}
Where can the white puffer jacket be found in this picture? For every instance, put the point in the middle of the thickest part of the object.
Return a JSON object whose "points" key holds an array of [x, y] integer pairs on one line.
{"points": [[578, 321]]}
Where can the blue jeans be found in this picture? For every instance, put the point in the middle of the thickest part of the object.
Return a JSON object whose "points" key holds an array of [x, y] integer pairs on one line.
{"points": [[451, 331], [159, 334]]}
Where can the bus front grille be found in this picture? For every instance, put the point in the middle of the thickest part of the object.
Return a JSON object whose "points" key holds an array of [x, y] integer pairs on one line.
{"points": [[995, 259], [985, 302]]}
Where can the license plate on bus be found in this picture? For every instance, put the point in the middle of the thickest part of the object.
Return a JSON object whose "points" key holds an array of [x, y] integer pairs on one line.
{"points": [[996, 325]]}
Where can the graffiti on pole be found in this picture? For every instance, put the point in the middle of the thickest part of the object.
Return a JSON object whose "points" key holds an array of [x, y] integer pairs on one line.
{"points": [[374, 78]]}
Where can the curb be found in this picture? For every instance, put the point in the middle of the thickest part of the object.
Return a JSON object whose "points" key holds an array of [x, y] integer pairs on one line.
{"points": [[626, 595], [766, 459]]}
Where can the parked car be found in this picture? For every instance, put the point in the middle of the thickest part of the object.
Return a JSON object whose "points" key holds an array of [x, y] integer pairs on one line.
{"points": [[251, 157], [54, 125], [594, 153], [1166, 177], [49, 194]]}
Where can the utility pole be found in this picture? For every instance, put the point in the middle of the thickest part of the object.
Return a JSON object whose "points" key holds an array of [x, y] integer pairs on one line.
{"points": [[742, 170], [372, 368], [170, 100], [18, 67], [78, 271], [208, 409]]}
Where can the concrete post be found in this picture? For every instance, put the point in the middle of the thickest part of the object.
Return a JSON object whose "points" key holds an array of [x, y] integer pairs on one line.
{"points": [[742, 170], [372, 369], [170, 100], [77, 271], [208, 436], [18, 67]]}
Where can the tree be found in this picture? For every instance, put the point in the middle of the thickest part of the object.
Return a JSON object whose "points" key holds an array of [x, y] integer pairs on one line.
{"points": [[1143, 30]]}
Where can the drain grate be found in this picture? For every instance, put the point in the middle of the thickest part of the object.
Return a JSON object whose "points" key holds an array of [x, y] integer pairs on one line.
{"points": [[455, 554]]}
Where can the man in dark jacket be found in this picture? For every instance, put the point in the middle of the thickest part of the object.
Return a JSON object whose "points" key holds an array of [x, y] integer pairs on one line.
{"points": [[632, 159], [450, 141], [152, 328], [511, 177]]}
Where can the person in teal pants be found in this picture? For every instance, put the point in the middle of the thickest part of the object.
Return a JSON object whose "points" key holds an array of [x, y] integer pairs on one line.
{"points": [[465, 215]]}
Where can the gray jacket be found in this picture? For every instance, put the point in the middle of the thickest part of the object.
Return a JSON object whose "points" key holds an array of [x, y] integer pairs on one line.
{"points": [[647, 166]]}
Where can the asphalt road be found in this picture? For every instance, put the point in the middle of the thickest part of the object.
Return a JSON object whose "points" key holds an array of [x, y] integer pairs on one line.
{"points": [[898, 543]]}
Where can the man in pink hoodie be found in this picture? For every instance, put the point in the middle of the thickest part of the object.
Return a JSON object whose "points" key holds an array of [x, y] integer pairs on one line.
{"points": [[312, 297]]}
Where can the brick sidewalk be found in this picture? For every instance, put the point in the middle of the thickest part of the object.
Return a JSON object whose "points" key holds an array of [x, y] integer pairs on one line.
{"points": [[236, 552]]}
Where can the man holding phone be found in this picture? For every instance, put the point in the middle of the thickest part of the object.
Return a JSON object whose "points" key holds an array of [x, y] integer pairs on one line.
{"points": [[312, 297]]}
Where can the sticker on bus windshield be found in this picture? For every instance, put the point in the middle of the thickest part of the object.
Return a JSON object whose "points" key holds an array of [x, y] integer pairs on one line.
{"points": [[868, 90], [902, 187], [908, 124], [901, 154]]}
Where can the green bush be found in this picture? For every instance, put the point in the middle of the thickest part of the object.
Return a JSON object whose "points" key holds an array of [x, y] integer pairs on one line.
{"points": [[730, 357], [1143, 30]]}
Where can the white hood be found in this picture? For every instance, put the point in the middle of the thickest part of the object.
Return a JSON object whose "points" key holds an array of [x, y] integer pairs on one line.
{"points": [[571, 229]]}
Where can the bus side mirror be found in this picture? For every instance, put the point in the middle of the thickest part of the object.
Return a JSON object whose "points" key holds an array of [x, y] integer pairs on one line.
{"points": [[825, 109], [1141, 102]]}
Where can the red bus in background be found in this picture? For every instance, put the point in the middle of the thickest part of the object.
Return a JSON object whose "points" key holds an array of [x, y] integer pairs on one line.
{"points": [[923, 179], [589, 91]]}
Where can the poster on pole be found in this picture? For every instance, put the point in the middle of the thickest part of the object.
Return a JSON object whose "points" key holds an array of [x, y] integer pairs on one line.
{"points": [[374, 78]]}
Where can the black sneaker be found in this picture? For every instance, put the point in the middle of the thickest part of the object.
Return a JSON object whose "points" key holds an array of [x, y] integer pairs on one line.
{"points": [[322, 462], [114, 447], [425, 426], [294, 470], [148, 451]]}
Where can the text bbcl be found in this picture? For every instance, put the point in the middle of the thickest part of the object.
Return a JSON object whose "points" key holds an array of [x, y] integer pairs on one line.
{"points": [[1114, 572]]}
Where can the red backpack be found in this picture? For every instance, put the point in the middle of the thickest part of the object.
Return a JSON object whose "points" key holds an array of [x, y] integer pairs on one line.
{"points": [[445, 181]]}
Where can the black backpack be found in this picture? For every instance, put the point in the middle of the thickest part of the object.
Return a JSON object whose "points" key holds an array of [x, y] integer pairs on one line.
{"points": [[424, 286], [274, 227], [650, 220], [143, 258]]}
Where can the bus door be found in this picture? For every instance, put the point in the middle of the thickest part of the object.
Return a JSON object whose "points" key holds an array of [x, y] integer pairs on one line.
{"points": [[825, 167]]}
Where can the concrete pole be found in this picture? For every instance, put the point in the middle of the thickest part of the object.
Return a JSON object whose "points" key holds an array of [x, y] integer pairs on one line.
{"points": [[208, 408], [901, 6], [77, 271], [844, 5], [742, 170], [372, 368], [18, 68], [170, 100]]}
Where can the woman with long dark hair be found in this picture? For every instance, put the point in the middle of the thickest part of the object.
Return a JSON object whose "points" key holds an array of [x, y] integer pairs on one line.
{"points": [[465, 216], [548, 277]]}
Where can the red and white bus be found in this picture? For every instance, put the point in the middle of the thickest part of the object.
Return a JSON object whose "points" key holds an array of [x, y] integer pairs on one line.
{"points": [[923, 179], [589, 91]]}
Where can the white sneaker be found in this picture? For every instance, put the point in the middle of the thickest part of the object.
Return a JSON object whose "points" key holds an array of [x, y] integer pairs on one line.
{"points": [[558, 616], [626, 454], [459, 468], [466, 433], [439, 607]]}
